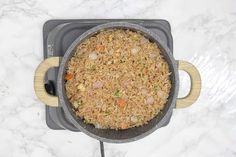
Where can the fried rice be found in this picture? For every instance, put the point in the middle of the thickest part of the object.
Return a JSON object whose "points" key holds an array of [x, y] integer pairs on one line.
{"points": [[117, 79]]}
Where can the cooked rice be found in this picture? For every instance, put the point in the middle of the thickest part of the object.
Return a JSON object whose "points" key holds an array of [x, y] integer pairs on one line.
{"points": [[117, 79]]}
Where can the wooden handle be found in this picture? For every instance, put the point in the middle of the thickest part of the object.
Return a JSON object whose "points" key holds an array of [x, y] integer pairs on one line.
{"points": [[195, 85], [39, 81]]}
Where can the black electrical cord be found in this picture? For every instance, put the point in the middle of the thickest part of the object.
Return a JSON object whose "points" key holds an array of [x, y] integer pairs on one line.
{"points": [[102, 149]]}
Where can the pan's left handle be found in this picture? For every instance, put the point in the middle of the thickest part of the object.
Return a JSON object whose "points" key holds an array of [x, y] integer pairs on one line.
{"points": [[39, 88]]}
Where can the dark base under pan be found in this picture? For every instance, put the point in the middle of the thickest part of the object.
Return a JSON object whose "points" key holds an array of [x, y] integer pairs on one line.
{"points": [[58, 36]]}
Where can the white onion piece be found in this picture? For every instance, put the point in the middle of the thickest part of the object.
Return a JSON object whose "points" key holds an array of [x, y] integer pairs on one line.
{"points": [[150, 100], [93, 56], [90, 92], [97, 84], [125, 97], [158, 65], [75, 104], [81, 87], [98, 126], [161, 94], [134, 119], [152, 55], [125, 83], [135, 50]]}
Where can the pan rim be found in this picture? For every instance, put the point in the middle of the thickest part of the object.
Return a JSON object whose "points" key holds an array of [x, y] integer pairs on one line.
{"points": [[92, 31]]}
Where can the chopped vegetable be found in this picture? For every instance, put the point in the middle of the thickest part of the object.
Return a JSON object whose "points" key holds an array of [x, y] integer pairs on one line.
{"points": [[153, 55], [161, 94], [69, 76], [150, 100], [159, 65], [123, 125], [93, 56], [122, 103], [134, 119], [75, 104], [135, 50], [125, 83], [81, 87], [117, 93], [97, 84], [100, 48], [98, 126]]}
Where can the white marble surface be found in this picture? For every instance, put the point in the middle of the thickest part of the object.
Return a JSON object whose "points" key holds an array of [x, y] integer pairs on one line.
{"points": [[204, 33]]}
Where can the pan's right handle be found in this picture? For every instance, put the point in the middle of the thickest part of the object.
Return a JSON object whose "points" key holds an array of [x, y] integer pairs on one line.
{"points": [[195, 84], [39, 88]]}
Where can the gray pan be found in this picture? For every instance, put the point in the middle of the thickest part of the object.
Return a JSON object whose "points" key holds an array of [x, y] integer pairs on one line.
{"points": [[110, 135]]}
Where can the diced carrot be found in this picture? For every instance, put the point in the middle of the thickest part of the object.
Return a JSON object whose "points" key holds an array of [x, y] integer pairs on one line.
{"points": [[123, 125], [100, 48], [68, 76], [121, 103]]}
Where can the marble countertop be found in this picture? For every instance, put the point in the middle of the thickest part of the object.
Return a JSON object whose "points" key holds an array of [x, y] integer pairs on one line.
{"points": [[204, 33]]}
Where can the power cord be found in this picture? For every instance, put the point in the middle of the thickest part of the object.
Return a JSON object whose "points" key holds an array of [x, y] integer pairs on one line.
{"points": [[102, 149]]}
